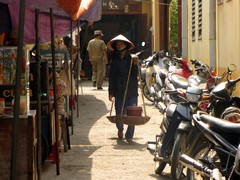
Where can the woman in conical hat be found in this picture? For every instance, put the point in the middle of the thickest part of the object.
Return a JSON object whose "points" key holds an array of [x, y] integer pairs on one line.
{"points": [[121, 63], [111, 45]]}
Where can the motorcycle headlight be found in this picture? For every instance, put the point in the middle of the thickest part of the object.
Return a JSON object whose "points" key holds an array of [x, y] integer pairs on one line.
{"points": [[193, 94], [193, 97]]}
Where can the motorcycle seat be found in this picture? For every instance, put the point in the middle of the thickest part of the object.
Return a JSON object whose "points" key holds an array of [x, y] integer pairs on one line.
{"points": [[220, 125], [178, 81]]}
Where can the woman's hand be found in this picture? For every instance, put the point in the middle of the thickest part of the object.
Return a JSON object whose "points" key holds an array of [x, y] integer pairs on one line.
{"points": [[134, 59]]}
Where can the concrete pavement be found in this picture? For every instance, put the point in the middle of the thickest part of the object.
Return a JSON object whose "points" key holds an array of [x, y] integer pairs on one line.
{"points": [[96, 153]]}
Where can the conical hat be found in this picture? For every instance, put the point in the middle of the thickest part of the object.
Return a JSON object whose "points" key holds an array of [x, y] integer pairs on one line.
{"points": [[112, 43]]}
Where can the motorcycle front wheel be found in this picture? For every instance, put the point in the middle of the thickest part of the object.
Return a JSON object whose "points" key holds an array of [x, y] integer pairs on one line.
{"points": [[146, 93], [178, 149], [159, 167]]}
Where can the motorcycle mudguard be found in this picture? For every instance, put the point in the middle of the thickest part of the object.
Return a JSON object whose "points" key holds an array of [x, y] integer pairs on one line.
{"points": [[143, 74], [168, 137], [184, 110], [184, 126], [171, 109], [167, 116], [159, 82]]}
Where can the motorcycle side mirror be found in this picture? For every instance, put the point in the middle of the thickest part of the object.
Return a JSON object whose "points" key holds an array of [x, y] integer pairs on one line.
{"points": [[232, 68]]}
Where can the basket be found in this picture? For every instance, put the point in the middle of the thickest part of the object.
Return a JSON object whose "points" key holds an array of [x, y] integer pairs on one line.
{"points": [[129, 120]]}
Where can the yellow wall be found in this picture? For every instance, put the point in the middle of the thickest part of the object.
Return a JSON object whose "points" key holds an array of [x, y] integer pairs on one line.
{"points": [[199, 49], [228, 27], [155, 21], [147, 9], [227, 36]]}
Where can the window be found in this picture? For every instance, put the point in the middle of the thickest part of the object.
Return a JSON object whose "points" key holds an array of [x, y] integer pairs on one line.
{"points": [[199, 19], [193, 20]]}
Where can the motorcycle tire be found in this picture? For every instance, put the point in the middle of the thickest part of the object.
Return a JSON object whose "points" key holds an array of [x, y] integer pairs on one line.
{"points": [[200, 153], [159, 165], [178, 149], [146, 93]]}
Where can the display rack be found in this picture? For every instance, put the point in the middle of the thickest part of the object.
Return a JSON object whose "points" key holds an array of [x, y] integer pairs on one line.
{"points": [[8, 57], [27, 130]]}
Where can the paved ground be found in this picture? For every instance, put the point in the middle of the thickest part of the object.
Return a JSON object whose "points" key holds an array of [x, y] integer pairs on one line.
{"points": [[96, 153]]}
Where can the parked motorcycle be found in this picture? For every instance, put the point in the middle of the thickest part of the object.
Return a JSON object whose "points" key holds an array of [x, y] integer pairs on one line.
{"points": [[149, 68], [177, 118], [221, 150], [187, 135], [221, 95], [162, 147], [204, 79]]}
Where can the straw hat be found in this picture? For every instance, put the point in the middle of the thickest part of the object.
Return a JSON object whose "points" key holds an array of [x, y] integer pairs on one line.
{"points": [[98, 32], [112, 43]]}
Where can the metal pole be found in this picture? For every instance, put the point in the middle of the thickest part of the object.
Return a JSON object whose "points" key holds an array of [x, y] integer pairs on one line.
{"points": [[38, 79], [15, 125], [78, 61], [71, 70], [55, 95]]}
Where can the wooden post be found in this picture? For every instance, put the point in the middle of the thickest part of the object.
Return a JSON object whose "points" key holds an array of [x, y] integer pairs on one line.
{"points": [[38, 79], [17, 91], [55, 94]]}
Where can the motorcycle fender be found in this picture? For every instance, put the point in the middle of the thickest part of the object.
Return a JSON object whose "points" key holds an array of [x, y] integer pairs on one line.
{"points": [[171, 109], [184, 126], [143, 74], [169, 85], [159, 82], [184, 110]]}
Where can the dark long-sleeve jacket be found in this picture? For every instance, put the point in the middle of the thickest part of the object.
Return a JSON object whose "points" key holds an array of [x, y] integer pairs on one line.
{"points": [[119, 69]]}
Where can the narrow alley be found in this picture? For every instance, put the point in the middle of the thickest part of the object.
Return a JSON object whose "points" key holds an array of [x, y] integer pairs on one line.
{"points": [[96, 153]]}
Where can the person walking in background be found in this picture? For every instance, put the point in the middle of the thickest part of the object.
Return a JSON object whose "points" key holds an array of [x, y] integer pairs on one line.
{"points": [[97, 51], [120, 64]]}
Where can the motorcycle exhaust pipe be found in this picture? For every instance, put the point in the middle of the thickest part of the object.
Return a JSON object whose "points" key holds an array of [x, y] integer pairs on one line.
{"points": [[195, 165]]}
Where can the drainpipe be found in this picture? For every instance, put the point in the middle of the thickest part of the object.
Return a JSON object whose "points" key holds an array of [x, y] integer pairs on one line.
{"points": [[212, 34], [184, 30]]}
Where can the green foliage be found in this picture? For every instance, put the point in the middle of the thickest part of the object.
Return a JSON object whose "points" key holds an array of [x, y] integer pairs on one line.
{"points": [[173, 39]]}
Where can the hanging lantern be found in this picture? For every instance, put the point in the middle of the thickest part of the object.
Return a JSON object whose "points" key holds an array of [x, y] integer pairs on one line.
{"points": [[75, 8], [70, 7]]}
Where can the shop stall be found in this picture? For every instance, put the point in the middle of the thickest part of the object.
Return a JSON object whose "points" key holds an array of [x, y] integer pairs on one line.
{"points": [[27, 130], [21, 126]]}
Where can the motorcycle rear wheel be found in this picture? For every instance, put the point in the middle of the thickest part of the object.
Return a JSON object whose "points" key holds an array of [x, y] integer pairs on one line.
{"points": [[205, 154], [146, 93]]}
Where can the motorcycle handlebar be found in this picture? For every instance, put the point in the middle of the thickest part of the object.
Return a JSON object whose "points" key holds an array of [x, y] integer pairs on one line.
{"points": [[232, 83], [171, 91]]}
